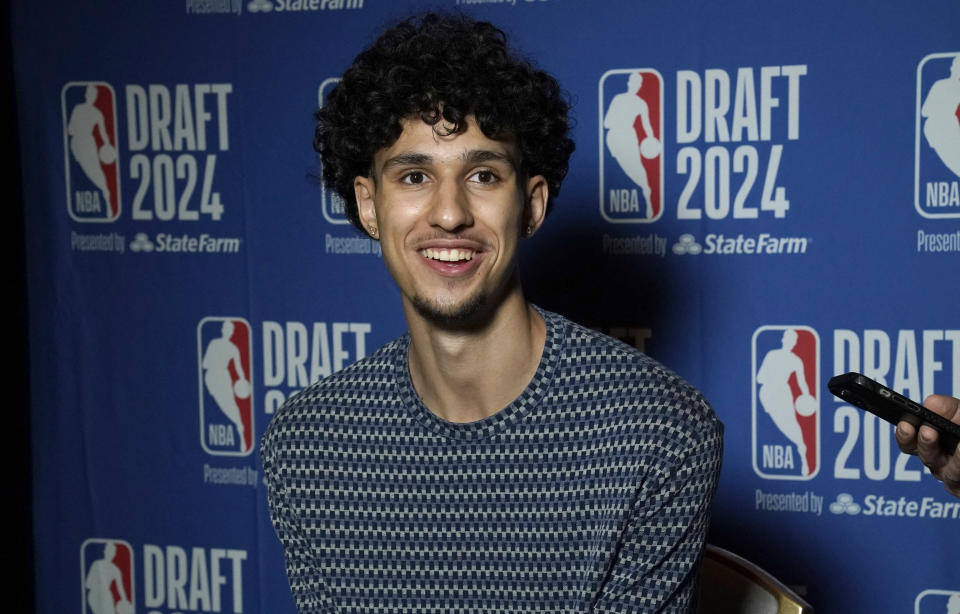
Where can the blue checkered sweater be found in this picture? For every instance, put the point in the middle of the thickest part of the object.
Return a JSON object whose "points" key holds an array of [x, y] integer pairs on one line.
{"points": [[591, 492]]}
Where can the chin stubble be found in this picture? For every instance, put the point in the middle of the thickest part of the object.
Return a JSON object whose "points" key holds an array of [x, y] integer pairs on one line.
{"points": [[456, 316]]}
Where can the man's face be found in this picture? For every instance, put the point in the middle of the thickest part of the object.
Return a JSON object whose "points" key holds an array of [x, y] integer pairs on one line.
{"points": [[449, 212]]}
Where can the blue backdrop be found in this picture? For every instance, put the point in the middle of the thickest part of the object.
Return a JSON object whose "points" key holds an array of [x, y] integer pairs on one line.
{"points": [[795, 215]]}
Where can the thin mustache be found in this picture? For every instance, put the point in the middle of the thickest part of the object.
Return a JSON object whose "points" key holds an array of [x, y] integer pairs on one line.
{"points": [[448, 236]]}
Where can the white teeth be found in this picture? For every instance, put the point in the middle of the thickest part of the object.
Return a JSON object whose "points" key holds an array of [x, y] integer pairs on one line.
{"points": [[447, 255]]}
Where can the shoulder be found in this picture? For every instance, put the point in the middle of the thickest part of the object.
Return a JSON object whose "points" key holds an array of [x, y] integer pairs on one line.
{"points": [[624, 386], [307, 414]]}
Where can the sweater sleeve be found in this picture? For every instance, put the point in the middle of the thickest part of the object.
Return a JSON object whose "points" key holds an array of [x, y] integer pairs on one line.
{"points": [[657, 565], [303, 571]]}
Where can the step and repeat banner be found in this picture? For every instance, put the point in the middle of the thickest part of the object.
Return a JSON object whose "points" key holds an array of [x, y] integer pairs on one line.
{"points": [[764, 194]]}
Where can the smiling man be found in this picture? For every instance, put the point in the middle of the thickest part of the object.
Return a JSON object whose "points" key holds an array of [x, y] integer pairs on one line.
{"points": [[498, 457]]}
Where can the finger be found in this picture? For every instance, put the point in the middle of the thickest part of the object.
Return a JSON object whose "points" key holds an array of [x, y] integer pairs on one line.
{"points": [[928, 449], [950, 474], [906, 435], [948, 407]]}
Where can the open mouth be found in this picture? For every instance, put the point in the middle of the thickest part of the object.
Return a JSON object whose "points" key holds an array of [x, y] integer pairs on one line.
{"points": [[447, 255]]}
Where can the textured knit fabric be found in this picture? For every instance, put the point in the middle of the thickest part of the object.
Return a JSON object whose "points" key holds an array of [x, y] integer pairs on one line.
{"points": [[589, 493]]}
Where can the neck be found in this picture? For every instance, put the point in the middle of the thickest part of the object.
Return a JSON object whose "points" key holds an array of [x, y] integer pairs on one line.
{"points": [[470, 373]]}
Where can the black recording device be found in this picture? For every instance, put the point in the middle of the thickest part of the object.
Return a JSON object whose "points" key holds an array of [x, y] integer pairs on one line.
{"points": [[863, 392]]}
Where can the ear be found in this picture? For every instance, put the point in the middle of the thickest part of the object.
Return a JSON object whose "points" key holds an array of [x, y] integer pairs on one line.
{"points": [[536, 193], [364, 191]]}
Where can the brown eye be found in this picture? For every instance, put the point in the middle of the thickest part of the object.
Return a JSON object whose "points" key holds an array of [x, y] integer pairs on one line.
{"points": [[413, 178], [484, 176]]}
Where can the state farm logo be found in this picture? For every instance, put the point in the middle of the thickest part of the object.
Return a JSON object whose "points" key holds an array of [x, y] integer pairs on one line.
{"points": [[937, 162], [301, 6], [898, 507], [106, 577], [90, 151], [141, 243], [687, 244], [845, 504], [786, 402], [761, 244], [631, 145], [333, 206], [224, 348]]}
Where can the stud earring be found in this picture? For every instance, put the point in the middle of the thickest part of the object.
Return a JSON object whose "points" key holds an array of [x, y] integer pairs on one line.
{"points": [[529, 231], [373, 230]]}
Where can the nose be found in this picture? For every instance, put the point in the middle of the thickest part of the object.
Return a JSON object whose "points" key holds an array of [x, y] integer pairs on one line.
{"points": [[450, 207]]}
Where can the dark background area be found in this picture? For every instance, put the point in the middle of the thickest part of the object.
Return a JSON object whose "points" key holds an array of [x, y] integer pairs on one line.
{"points": [[20, 586]]}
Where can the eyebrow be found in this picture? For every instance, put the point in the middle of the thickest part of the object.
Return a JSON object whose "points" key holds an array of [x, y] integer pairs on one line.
{"points": [[485, 155], [407, 159], [473, 156]]}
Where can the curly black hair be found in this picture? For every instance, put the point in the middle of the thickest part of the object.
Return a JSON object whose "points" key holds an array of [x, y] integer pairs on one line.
{"points": [[441, 67]]}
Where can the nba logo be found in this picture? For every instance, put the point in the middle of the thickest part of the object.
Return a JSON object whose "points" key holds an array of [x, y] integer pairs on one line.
{"points": [[106, 577], [937, 161], [786, 402], [631, 145], [333, 205], [937, 602], [224, 350], [90, 151]]}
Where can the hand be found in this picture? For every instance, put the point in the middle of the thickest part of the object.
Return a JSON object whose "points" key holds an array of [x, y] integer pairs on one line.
{"points": [[923, 442]]}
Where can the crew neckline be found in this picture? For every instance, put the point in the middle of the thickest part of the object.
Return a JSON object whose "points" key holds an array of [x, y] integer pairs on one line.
{"points": [[501, 420]]}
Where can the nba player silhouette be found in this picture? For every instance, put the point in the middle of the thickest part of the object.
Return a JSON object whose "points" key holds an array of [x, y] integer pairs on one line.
{"points": [[776, 396], [942, 125], [84, 119], [216, 362], [622, 139], [104, 575]]}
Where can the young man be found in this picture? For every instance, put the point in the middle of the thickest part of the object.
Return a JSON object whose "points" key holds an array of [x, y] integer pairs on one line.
{"points": [[498, 458]]}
